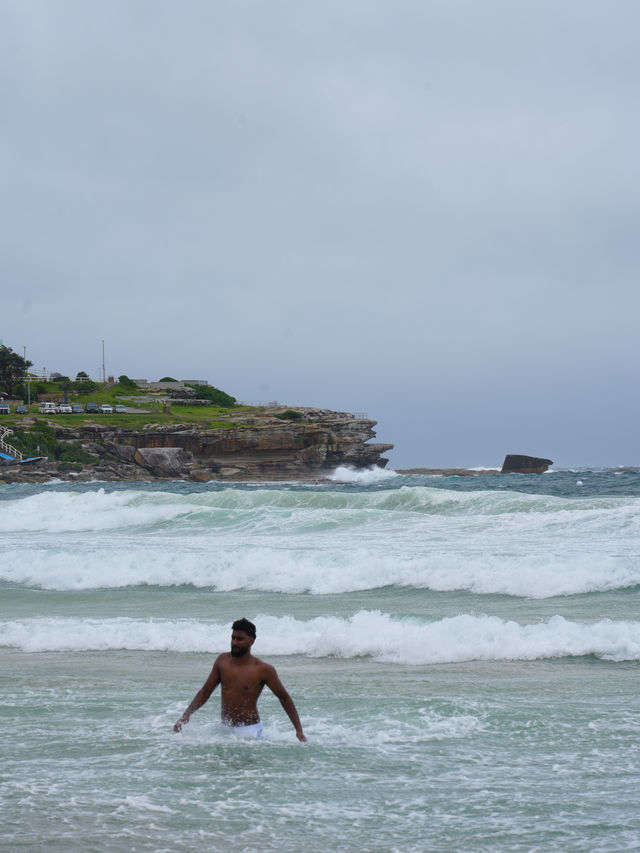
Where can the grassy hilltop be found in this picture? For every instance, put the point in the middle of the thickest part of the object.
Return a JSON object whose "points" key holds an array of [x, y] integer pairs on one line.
{"points": [[151, 409], [36, 434], [33, 433]]}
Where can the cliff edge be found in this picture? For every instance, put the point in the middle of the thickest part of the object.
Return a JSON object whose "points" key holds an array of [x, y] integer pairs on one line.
{"points": [[251, 446]]}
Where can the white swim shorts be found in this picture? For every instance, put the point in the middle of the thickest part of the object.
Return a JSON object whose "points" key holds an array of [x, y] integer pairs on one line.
{"points": [[254, 730]]}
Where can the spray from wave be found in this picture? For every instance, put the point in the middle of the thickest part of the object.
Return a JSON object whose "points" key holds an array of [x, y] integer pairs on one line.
{"points": [[365, 634], [362, 476]]}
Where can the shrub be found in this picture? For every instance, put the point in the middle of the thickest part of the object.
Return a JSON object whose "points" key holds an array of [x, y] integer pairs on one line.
{"points": [[126, 382], [289, 415], [215, 395], [83, 388], [38, 441], [37, 388], [72, 452], [41, 441]]}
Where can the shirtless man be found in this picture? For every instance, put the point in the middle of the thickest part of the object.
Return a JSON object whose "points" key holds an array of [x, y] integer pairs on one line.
{"points": [[242, 677]]}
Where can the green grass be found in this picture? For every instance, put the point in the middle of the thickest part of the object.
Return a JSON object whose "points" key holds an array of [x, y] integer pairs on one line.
{"points": [[203, 417]]}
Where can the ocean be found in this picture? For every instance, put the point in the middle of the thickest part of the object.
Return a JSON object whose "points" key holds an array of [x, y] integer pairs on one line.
{"points": [[463, 652]]}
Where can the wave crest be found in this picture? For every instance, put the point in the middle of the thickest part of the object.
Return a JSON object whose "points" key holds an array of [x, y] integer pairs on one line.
{"points": [[372, 634]]}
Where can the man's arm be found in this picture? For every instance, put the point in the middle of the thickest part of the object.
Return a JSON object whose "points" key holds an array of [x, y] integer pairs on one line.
{"points": [[201, 696], [277, 687]]}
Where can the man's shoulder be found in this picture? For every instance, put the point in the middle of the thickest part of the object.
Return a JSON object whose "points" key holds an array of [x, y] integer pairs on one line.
{"points": [[266, 669]]}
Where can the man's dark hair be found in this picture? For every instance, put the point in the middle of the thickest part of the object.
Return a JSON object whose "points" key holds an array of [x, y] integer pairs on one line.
{"points": [[246, 626]]}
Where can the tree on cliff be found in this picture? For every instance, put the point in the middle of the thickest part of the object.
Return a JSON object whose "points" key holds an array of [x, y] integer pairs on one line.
{"points": [[215, 395], [13, 369], [126, 382]]}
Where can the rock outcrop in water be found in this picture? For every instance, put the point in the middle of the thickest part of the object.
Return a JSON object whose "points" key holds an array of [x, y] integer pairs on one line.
{"points": [[255, 446], [518, 464]]}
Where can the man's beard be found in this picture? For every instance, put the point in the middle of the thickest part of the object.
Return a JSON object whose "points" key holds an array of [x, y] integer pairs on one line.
{"points": [[237, 651]]}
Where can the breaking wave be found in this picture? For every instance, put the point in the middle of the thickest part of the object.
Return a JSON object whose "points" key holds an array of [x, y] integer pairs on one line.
{"points": [[365, 634]]}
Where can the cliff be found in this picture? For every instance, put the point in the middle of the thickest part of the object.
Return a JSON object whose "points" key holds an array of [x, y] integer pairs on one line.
{"points": [[251, 447]]}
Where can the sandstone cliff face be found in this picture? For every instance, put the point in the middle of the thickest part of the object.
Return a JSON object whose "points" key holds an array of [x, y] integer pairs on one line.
{"points": [[260, 447]]}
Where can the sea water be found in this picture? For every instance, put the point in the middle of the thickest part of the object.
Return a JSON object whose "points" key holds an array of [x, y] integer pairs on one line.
{"points": [[464, 654]]}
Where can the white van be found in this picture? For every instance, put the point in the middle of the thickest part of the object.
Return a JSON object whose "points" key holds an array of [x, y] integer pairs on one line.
{"points": [[47, 408]]}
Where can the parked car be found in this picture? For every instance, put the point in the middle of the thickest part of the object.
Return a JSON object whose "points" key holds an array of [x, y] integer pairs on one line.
{"points": [[63, 409], [106, 409], [5, 409], [22, 410], [92, 408], [77, 409], [120, 409], [47, 408]]}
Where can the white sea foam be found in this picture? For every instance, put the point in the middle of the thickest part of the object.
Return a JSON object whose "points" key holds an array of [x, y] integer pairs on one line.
{"points": [[379, 732], [320, 572], [56, 512], [363, 476], [366, 633], [323, 541], [100, 510]]}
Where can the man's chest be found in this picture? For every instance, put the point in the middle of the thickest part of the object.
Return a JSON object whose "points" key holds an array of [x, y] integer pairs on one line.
{"points": [[247, 683]]}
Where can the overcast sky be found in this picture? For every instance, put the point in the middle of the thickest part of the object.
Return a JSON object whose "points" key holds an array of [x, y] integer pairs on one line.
{"points": [[425, 211]]}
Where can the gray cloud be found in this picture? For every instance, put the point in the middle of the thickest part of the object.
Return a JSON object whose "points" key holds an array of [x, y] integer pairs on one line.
{"points": [[424, 211]]}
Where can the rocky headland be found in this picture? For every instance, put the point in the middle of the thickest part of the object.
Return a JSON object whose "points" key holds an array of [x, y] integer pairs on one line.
{"points": [[249, 447]]}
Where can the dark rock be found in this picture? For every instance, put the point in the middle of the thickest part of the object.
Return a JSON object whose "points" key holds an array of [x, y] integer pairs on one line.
{"points": [[518, 464], [94, 449], [182, 393], [164, 461], [127, 452], [111, 449]]}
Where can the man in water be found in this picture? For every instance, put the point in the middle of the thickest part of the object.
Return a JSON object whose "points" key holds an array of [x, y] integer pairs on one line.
{"points": [[242, 677]]}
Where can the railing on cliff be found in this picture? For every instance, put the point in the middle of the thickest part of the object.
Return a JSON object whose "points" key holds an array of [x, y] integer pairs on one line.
{"points": [[8, 448]]}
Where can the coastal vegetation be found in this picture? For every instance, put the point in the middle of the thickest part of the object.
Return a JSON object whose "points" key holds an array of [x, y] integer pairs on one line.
{"points": [[213, 395], [40, 440], [125, 382], [290, 415], [13, 369]]}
